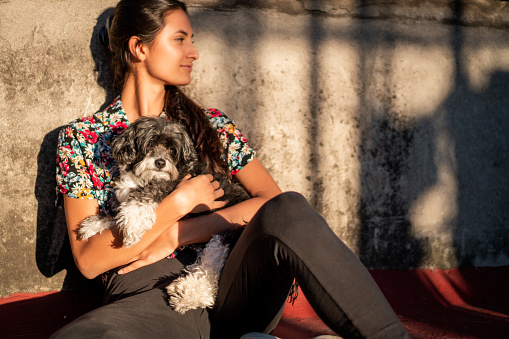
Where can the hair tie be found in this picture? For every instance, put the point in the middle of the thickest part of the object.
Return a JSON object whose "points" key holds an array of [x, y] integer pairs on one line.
{"points": [[104, 33]]}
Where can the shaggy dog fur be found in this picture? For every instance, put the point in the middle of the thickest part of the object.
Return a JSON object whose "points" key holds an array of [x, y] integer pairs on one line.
{"points": [[197, 288], [153, 155]]}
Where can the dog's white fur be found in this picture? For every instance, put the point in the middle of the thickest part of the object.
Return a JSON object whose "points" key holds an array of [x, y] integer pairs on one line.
{"points": [[198, 287], [134, 217]]}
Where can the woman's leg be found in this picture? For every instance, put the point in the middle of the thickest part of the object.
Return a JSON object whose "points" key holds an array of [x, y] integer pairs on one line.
{"points": [[137, 307], [288, 239]]}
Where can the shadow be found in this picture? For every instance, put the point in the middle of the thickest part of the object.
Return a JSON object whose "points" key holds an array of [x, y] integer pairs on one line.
{"points": [[388, 168], [475, 122], [316, 32], [41, 316], [385, 239], [53, 252], [449, 303], [479, 121], [52, 247], [481, 235], [100, 55]]}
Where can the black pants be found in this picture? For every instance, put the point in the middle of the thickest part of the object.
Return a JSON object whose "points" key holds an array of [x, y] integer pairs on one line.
{"points": [[286, 239]]}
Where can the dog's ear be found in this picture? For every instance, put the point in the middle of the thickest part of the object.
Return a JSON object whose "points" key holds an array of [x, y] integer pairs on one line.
{"points": [[123, 148], [186, 151], [188, 154]]}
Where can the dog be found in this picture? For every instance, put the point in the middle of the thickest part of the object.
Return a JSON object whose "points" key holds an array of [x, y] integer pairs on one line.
{"points": [[153, 155]]}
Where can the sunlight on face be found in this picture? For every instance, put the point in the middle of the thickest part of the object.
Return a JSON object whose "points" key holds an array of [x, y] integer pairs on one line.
{"points": [[170, 56]]}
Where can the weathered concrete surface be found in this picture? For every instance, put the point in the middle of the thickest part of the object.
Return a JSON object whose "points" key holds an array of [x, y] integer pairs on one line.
{"points": [[390, 118]]}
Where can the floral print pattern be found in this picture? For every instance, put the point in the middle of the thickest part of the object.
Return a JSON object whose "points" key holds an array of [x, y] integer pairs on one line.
{"points": [[239, 152], [86, 169]]}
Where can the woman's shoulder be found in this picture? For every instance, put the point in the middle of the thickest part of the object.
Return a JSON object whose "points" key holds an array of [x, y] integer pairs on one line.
{"points": [[111, 118], [218, 118], [214, 113]]}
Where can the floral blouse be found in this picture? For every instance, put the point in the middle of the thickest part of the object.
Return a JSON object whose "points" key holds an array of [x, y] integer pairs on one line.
{"points": [[86, 169]]}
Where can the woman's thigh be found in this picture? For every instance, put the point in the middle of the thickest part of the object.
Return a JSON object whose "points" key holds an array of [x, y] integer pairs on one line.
{"points": [[144, 315], [137, 307], [155, 276]]}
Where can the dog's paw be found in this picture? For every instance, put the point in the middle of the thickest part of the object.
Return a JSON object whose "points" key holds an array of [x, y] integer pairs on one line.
{"points": [[93, 225], [192, 291], [134, 219], [198, 288]]}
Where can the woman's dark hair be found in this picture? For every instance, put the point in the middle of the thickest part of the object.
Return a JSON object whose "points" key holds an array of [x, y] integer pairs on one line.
{"points": [[145, 19]]}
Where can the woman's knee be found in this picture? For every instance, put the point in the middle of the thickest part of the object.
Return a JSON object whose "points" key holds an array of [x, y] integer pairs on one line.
{"points": [[286, 203], [284, 215]]}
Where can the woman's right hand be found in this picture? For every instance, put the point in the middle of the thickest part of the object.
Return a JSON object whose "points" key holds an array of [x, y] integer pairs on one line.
{"points": [[198, 194]]}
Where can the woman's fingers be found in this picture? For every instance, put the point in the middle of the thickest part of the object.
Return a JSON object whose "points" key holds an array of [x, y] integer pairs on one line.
{"points": [[134, 266], [152, 254], [200, 193], [215, 184], [218, 192]]}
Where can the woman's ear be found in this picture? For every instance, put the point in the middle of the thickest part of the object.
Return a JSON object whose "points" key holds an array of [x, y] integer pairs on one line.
{"points": [[137, 48]]}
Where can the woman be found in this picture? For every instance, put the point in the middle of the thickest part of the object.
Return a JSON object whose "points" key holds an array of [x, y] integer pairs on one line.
{"points": [[152, 53]]}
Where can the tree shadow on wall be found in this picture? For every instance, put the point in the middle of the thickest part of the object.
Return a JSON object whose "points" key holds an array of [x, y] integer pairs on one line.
{"points": [[479, 121], [388, 166], [53, 251], [475, 121], [392, 176], [478, 118]]}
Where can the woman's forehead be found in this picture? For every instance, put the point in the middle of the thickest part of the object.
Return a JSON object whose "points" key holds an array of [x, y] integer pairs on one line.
{"points": [[177, 21]]}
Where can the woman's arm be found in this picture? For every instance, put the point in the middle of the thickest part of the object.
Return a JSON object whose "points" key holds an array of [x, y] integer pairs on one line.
{"points": [[260, 185], [100, 253]]}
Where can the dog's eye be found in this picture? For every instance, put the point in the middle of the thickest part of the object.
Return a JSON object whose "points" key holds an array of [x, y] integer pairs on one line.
{"points": [[172, 150]]}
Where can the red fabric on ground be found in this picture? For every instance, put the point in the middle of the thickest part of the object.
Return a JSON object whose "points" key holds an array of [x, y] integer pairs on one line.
{"points": [[456, 303], [38, 315]]}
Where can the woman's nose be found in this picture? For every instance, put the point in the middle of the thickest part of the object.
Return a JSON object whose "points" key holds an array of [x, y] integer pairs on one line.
{"points": [[193, 53]]}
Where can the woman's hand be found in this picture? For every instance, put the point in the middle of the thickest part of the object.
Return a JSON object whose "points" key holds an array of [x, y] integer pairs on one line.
{"points": [[198, 194], [163, 246]]}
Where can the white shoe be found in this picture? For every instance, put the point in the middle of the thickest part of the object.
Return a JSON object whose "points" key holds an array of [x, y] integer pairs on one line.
{"points": [[258, 335]]}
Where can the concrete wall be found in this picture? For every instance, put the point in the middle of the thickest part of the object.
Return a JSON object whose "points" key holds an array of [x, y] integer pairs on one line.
{"points": [[391, 119]]}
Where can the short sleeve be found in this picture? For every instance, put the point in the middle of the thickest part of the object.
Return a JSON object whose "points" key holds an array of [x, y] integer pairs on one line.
{"points": [[76, 177], [238, 151]]}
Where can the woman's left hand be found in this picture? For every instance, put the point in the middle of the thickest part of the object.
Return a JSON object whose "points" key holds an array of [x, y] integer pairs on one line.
{"points": [[159, 249]]}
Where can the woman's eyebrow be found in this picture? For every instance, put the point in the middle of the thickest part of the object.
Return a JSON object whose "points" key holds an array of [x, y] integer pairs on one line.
{"points": [[183, 32]]}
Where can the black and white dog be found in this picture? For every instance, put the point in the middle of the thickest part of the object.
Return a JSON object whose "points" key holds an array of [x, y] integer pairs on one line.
{"points": [[153, 155]]}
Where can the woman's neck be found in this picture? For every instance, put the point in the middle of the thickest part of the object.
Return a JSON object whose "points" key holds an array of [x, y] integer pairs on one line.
{"points": [[140, 97]]}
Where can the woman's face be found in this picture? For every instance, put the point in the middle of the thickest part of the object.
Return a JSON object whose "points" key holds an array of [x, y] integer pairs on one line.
{"points": [[169, 58]]}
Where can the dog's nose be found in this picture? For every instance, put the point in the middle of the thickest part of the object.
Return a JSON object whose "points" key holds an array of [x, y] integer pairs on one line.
{"points": [[160, 163]]}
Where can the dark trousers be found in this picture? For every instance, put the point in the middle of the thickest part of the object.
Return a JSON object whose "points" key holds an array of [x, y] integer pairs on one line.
{"points": [[286, 239]]}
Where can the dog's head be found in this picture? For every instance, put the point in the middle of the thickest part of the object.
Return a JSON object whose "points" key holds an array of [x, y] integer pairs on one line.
{"points": [[154, 148]]}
